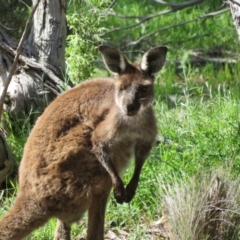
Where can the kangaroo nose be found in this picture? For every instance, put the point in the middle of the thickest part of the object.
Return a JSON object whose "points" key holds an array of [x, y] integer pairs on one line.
{"points": [[131, 107]]}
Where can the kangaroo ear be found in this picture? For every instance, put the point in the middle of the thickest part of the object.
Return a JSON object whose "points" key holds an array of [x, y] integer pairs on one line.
{"points": [[154, 59], [113, 59]]}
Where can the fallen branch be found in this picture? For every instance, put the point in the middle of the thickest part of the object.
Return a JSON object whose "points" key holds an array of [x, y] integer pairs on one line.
{"points": [[32, 63], [213, 59]]}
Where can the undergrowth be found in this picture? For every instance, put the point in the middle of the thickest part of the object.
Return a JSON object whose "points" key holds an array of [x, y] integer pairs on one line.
{"points": [[205, 131], [205, 206], [196, 108], [208, 134]]}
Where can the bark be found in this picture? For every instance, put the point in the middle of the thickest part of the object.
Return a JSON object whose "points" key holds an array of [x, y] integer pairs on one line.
{"points": [[40, 71], [48, 36], [235, 10], [31, 89]]}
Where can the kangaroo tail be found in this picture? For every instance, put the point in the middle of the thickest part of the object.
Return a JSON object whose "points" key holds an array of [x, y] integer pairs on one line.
{"points": [[24, 216]]}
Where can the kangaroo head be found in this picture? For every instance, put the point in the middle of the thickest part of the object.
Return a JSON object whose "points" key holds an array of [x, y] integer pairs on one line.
{"points": [[134, 86]]}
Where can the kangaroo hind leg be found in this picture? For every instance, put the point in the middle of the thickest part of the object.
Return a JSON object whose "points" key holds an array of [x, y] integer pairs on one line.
{"points": [[96, 215]]}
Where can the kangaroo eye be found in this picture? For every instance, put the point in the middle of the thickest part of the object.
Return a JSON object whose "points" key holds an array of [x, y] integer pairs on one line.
{"points": [[122, 88], [143, 88]]}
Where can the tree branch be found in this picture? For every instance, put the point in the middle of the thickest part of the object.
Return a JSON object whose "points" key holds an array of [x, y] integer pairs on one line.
{"points": [[173, 8], [180, 5], [214, 59], [30, 62], [7, 28], [237, 3], [176, 25], [18, 51]]}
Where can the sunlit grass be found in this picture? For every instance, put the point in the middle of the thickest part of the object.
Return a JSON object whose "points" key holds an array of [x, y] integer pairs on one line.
{"points": [[208, 132]]}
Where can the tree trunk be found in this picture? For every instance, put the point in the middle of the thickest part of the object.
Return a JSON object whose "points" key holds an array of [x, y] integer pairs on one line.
{"points": [[235, 10], [40, 72], [30, 89], [47, 40]]}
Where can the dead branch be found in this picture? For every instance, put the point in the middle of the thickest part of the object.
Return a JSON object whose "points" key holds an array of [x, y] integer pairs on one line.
{"points": [[18, 51], [180, 6], [213, 59], [32, 63], [173, 8], [176, 25], [7, 28]]}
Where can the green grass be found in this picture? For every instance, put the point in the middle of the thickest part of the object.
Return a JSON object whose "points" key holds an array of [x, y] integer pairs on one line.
{"points": [[209, 133], [197, 108], [207, 130], [203, 119], [203, 33], [205, 206]]}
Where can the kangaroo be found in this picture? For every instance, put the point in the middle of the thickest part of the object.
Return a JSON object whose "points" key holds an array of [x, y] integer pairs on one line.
{"points": [[81, 145]]}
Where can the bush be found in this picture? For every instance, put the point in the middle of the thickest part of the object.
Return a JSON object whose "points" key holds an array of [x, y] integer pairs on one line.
{"points": [[85, 34]]}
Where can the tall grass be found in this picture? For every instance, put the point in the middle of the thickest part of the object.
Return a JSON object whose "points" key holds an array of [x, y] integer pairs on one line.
{"points": [[205, 206], [207, 129], [193, 183]]}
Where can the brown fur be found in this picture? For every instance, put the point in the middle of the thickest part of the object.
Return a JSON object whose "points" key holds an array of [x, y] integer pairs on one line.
{"points": [[81, 145]]}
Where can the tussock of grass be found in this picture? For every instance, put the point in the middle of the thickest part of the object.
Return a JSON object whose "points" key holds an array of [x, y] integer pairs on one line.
{"points": [[205, 206]]}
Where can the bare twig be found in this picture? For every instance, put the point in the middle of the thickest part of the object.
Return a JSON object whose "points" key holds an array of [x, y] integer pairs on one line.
{"points": [[18, 51], [7, 28], [163, 3], [173, 8], [180, 5], [176, 25], [214, 59]]}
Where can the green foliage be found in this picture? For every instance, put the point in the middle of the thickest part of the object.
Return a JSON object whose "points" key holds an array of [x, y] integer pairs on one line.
{"points": [[207, 131], [14, 14], [197, 106], [17, 141], [202, 33], [84, 36]]}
